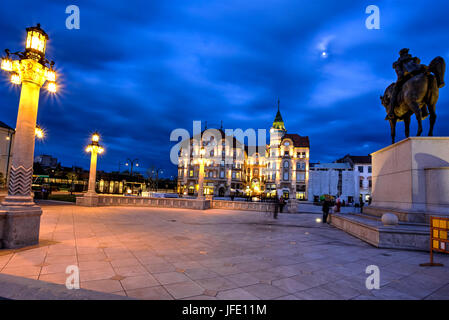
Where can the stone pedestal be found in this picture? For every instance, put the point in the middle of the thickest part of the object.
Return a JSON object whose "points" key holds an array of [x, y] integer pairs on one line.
{"points": [[411, 179], [19, 226], [88, 200], [202, 203]]}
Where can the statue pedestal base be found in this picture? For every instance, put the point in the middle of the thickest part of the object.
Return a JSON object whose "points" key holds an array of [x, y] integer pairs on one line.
{"points": [[88, 200], [19, 226], [411, 179]]}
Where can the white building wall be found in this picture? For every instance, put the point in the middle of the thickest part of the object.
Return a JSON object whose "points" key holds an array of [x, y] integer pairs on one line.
{"points": [[333, 182], [326, 182]]}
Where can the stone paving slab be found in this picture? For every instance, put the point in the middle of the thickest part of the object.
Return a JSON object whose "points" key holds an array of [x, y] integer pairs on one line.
{"points": [[19, 288], [161, 253]]}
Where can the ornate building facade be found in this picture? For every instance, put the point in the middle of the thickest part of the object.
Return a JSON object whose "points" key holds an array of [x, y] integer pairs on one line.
{"points": [[281, 168]]}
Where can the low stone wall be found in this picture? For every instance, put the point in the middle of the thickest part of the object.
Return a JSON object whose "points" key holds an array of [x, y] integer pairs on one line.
{"points": [[106, 200], [110, 200], [243, 205]]}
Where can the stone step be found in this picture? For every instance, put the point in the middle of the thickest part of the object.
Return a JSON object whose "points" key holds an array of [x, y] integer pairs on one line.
{"points": [[403, 215], [379, 218], [408, 236]]}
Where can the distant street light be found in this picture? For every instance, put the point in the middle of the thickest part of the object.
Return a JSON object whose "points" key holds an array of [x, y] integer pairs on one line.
{"points": [[94, 148], [132, 163], [156, 172], [31, 71]]}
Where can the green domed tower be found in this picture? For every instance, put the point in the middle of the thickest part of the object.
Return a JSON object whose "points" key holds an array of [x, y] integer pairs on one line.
{"points": [[277, 130]]}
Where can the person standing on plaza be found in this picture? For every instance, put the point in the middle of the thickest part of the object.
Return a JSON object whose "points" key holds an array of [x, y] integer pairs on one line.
{"points": [[325, 208], [276, 207], [337, 206], [281, 204]]}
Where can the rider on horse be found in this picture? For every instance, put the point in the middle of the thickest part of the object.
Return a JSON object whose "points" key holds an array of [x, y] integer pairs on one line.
{"points": [[406, 67]]}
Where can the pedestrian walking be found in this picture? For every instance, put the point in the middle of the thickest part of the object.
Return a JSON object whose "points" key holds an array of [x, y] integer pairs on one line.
{"points": [[281, 204], [276, 207], [325, 208]]}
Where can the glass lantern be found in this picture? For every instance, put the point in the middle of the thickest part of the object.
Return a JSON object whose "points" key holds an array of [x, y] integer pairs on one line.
{"points": [[36, 40]]}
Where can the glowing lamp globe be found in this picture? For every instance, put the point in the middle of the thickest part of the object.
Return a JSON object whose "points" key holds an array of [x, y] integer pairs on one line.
{"points": [[100, 150], [38, 132], [50, 75], [36, 41], [15, 78], [95, 137], [202, 151], [6, 64], [52, 87]]}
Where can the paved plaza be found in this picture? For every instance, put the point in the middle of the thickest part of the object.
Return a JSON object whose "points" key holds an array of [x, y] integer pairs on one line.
{"points": [[157, 253]]}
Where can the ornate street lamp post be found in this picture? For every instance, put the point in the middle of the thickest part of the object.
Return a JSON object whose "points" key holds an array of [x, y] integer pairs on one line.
{"points": [[91, 197], [157, 171], [31, 70], [132, 163]]}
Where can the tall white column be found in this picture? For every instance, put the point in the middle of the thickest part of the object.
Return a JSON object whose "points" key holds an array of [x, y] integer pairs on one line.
{"points": [[201, 180], [22, 214], [93, 172]]}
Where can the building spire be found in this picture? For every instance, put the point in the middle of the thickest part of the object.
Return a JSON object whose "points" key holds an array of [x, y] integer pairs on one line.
{"points": [[278, 122]]}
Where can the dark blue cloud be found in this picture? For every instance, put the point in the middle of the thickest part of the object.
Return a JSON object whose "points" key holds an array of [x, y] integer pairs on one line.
{"points": [[136, 70]]}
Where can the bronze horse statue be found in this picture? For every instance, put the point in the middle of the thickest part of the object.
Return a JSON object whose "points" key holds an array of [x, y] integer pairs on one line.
{"points": [[418, 96]]}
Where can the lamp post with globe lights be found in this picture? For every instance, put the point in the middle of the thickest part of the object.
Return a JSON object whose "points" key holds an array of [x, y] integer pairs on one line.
{"points": [[30, 70], [91, 197], [203, 203], [156, 172], [201, 161], [132, 163]]}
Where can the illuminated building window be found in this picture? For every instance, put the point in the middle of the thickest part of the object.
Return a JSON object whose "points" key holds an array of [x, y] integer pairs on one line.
{"points": [[300, 177]]}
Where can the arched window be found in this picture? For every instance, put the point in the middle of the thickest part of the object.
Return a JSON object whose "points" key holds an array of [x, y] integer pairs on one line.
{"points": [[286, 164]]}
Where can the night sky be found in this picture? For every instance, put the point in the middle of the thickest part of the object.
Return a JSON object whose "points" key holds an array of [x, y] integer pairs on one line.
{"points": [[136, 70]]}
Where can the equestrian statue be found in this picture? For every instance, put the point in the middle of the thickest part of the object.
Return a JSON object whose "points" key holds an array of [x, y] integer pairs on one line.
{"points": [[415, 92]]}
